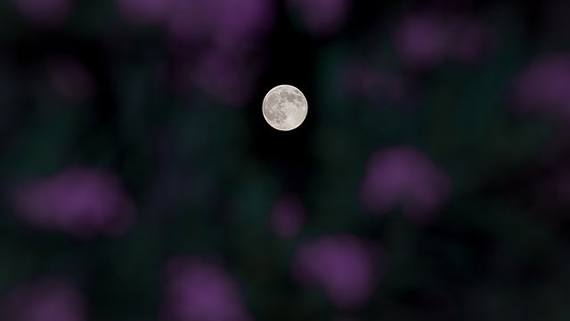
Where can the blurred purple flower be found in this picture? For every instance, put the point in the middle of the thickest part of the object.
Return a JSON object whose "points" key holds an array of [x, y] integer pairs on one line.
{"points": [[81, 202], [358, 78], [344, 266], [287, 217], [200, 291], [144, 11], [322, 17], [192, 20], [219, 21], [544, 87], [49, 299], [403, 176], [216, 45], [45, 12], [421, 40], [362, 80], [218, 74], [71, 79], [243, 21], [555, 19], [469, 41], [561, 184], [425, 40]]}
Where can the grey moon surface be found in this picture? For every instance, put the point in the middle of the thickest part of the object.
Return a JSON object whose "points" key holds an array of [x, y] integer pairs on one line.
{"points": [[285, 107]]}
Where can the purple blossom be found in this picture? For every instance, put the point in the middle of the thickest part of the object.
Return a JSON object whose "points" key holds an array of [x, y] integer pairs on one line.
{"points": [[45, 12], [287, 217], [219, 21], [218, 74], [403, 176], [470, 40], [421, 40], [49, 299], [243, 21], [201, 291], [144, 11], [544, 87], [424, 40], [344, 266], [562, 184], [192, 20], [358, 78], [79, 201], [362, 80], [216, 45], [322, 17], [555, 21], [222, 74], [71, 79]]}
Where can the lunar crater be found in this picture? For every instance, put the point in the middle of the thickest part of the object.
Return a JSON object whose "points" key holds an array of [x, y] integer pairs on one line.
{"points": [[285, 107]]}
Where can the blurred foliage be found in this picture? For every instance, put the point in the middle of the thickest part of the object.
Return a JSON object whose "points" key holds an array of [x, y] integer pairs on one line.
{"points": [[205, 175]]}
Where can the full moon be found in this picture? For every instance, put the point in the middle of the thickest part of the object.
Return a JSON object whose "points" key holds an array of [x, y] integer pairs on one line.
{"points": [[285, 107]]}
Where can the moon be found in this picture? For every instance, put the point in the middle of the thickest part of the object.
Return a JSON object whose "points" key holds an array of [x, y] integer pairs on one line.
{"points": [[285, 107]]}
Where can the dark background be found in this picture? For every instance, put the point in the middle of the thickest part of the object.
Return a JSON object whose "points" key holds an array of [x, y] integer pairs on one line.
{"points": [[125, 145]]}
